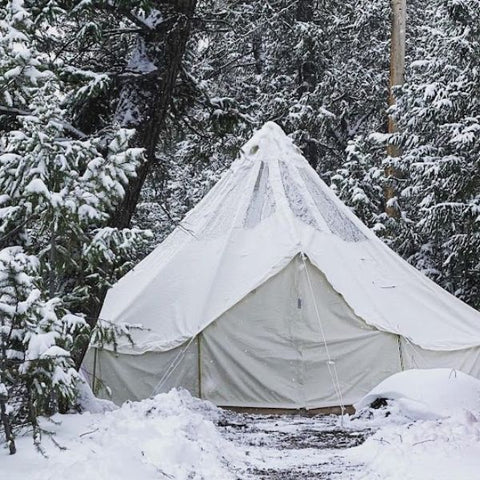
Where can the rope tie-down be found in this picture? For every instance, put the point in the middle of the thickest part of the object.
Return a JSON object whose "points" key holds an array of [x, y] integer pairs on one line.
{"points": [[331, 365], [173, 365]]}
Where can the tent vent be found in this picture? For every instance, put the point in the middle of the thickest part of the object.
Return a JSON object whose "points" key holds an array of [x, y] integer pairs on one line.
{"points": [[299, 303]]}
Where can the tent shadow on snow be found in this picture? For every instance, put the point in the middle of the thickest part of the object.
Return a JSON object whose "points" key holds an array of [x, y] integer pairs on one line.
{"points": [[272, 294]]}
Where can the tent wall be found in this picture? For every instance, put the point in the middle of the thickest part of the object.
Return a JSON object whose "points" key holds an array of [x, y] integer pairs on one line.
{"points": [[466, 360], [135, 377], [249, 356], [363, 355], [268, 350]]}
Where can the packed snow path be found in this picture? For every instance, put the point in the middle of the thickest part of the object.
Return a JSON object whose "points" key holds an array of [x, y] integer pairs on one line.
{"points": [[290, 447]]}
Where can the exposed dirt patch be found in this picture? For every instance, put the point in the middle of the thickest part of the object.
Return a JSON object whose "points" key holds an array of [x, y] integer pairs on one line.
{"points": [[285, 447]]}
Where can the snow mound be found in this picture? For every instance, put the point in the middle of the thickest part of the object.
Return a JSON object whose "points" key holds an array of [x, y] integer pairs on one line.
{"points": [[426, 394], [170, 436], [441, 449], [88, 402]]}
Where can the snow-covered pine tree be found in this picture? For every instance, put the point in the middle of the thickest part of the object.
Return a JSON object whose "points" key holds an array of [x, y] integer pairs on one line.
{"points": [[121, 60], [438, 171], [62, 188], [359, 182], [151, 36], [36, 337]]}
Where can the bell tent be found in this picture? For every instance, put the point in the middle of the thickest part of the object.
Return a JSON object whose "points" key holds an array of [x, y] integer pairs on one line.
{"points": [[272, 294]]}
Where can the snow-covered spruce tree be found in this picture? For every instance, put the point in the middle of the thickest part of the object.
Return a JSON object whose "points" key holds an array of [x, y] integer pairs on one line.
{"points": [[59, 188], [120, 61], [65, 190], [147, 80], [359, 182], [438, 116], [437, 180], [64, 185]]}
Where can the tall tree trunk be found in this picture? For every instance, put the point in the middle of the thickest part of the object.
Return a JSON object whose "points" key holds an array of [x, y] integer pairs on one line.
{"points": [[397, 76], [148, 88]]}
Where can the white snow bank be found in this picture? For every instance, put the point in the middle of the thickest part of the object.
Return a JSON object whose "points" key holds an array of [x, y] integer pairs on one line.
{"points": [[88, 402], [168, 436], [442, 449], [441, 443], [427, 394]]}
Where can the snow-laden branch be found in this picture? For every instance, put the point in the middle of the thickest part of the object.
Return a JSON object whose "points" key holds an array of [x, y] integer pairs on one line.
{"points": [[67, 126]]}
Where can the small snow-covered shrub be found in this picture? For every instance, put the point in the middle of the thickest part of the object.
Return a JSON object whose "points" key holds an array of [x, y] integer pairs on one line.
{"points": [[36, 337]]}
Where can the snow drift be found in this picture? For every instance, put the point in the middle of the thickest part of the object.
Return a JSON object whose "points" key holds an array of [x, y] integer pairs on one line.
{"points": [[170, 436], [431, 432], [427, 394]]}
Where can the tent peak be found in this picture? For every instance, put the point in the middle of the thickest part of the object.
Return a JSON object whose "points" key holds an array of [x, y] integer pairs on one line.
{"points": [[267, 140], [272, 128]]}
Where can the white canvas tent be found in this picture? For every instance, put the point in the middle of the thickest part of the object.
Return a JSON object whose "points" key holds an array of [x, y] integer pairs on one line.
{"points": [[272, 294]]}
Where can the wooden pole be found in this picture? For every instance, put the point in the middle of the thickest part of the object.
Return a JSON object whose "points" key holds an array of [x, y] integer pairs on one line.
{"points": [[199, 355], [397, 78], [94, 378]]}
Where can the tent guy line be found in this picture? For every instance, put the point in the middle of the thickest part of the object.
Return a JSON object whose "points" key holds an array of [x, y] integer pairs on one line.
{"points": [[332, 368]]}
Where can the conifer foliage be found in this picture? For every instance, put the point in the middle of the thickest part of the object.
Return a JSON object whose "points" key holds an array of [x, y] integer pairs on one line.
{"points": [[58, 188], [438, 170], [36, 338], [439, 119]]}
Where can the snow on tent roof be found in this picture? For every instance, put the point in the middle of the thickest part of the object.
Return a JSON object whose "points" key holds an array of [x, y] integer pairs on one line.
{"points": [[295, 186], [268, 207]]}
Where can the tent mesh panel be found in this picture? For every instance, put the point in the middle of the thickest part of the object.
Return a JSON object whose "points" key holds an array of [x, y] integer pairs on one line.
{"points": [[223, 217], [296, 199], [262, 204], [334, 217]]}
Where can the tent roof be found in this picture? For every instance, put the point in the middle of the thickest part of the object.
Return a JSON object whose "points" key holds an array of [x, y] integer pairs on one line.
{"points": [[268, 207]]}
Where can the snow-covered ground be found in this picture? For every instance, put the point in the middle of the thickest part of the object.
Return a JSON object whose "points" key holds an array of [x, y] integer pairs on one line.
{"points": [[174, 436], [447, 449], [429, 429], [169, 436]]}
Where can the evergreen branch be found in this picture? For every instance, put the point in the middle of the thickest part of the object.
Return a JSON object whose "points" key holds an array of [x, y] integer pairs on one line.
{"points": [[67, 126], [15, 230], [111, 7]]}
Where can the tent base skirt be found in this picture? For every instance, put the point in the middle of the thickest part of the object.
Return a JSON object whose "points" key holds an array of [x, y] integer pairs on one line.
{"points": [[292, 411]]}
